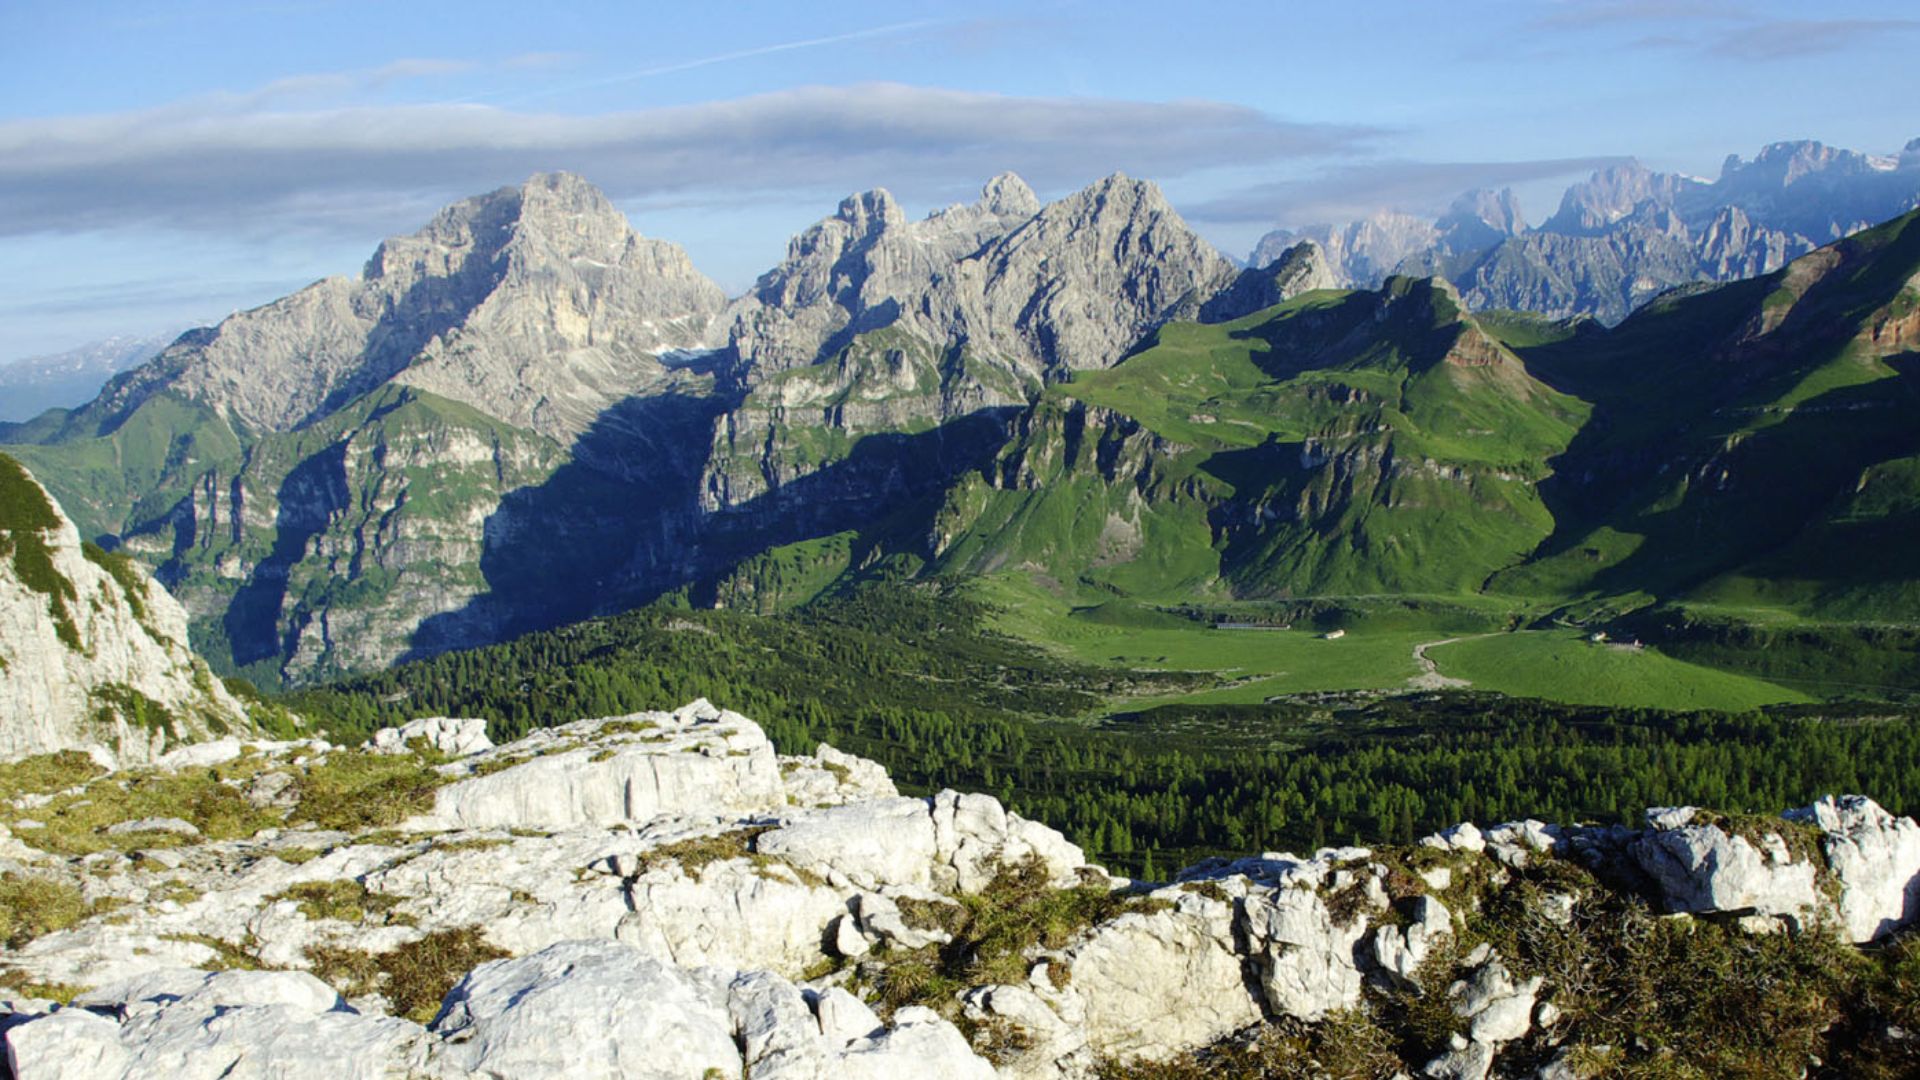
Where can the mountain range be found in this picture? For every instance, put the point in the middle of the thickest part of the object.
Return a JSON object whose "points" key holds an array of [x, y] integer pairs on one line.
{"points": [[31, 386], [1627, 233], [526, 414]]}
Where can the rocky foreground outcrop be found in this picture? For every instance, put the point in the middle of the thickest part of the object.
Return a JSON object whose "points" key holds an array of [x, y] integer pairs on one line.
{"points": [[662, 895], [93, 653]]}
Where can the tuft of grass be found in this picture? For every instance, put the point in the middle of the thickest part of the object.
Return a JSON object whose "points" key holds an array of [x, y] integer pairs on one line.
{"points": [[32, 906], [179, 892], [415, 977], [342, 899], [76, 823], [23, 985], [994, 931], [45, 774], [228, 956], [352, 790], [1347, 1045], [695, 854]]}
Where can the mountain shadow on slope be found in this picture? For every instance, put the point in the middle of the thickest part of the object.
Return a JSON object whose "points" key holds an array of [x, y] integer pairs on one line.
{"points": [[630, 538]]}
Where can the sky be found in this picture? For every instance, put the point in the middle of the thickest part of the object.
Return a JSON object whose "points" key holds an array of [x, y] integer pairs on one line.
{"points": [[165, 164]]}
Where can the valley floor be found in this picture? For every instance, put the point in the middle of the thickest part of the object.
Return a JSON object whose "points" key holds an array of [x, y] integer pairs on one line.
{"points": [[1380, 647]]}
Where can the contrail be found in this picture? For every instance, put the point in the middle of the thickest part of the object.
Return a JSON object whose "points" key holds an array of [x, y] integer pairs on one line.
{"points": [[722, 58]]}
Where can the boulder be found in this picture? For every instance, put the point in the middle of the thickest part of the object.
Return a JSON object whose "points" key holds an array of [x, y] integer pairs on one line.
{"points": [[453, 737], [623, 769], [1700, 868], [587, 1009], [191, 1025], [1305, 958], [1875, 858], [1400, 950], [1155, 984], [870, 842]]}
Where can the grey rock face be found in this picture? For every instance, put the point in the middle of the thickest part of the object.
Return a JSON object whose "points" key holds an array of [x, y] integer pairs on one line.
{"points": [[89, 644], [874, 324], [1067, 286], [1301, 268], [537, 304]]}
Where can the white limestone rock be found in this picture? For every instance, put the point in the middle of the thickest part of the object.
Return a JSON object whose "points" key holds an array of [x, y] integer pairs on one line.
{"points": [[919, 1044], [1498, 1008], [447, 735], [974, 834], [1154, 984], [1051, 1030], [586, 1009], [870, 842], [1700, 869], [625, 769], [1466, 1060], [72, 1044], [77, 641], [831, 777], [1875, 857], [734, 913], [191, 1025], [1306, 961], [1399, 951]]}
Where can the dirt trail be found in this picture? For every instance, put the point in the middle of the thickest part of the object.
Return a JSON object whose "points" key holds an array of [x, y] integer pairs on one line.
{"points": [[1430, 677]]}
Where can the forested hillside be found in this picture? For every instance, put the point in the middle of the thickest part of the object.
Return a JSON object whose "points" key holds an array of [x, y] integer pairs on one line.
{"points": [[908, 676]]}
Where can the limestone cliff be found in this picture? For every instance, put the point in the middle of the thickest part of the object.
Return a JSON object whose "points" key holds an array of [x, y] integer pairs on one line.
{"points": [[92, 652]]}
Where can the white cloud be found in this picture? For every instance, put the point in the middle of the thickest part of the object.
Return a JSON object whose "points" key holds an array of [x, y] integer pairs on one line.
{"points": [[218, 165]]}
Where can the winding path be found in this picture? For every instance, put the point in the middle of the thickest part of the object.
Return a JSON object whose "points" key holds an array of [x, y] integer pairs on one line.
{"points": [[1430, 677]]}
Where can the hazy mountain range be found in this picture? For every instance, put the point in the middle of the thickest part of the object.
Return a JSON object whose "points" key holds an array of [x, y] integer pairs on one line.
{"points": [[34, 384], [1627, 233]]}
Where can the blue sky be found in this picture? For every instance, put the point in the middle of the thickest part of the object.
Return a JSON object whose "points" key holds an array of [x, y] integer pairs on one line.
{"points": [[164, 164]]}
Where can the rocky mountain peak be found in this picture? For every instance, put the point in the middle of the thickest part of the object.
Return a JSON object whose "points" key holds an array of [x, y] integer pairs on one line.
{"points": [[1612, 194], [94, 652], [1482, 218], [1117, 193], [517, 302], [1007, 195], [871, 212], [1300, 269]]}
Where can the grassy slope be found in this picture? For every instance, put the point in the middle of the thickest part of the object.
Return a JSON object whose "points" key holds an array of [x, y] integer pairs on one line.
{"points": [[1562, 665], [1340, 443], [1768, 444], [1252, 665]]}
